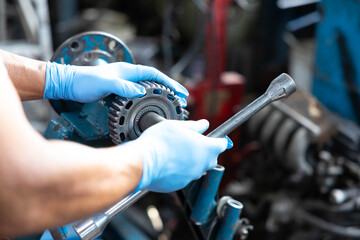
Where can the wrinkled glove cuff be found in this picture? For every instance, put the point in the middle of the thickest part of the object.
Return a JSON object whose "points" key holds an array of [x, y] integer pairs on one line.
{"points": [[59, 81], [147, 162]]}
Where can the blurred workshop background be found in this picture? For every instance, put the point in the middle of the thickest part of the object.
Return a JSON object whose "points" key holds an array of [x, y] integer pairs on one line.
{"points": [[295, 165]]}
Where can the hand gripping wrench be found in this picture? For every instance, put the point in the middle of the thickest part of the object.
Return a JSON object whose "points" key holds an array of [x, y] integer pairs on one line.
{"points": [[281, 87]]}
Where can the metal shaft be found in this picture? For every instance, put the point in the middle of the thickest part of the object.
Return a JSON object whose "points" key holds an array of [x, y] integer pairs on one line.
{"points": [[281, 87], [92, 227]]}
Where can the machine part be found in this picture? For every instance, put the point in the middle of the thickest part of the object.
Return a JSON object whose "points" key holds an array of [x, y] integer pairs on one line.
{"points": [[348, 231], [339, 196], [280, 212], [243, 228], [125, 114], [300, 119], [284, 4], [271, 122], [309, 113], [281, 87], [303, 21], [221, 206], [289, 127], [205, 201], [89, 49], [86, 123], [228, 223], [296, 155], [336, 74], [349, 74], [283, 134]]}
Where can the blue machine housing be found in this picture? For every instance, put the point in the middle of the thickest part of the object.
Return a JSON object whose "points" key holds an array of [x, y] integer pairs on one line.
{"points": [[86, 123], [337, 69]]}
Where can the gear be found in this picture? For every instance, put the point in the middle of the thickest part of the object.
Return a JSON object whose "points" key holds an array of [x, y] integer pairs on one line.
{"points": [[125, 113]]}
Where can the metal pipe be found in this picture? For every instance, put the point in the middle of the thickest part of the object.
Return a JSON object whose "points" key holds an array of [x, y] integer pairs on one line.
{"points": [[205, 201], [344, 231], [281, 87], [228, 223]]}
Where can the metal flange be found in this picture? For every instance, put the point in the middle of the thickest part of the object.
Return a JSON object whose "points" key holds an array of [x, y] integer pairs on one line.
{"points": [[89, 49]]}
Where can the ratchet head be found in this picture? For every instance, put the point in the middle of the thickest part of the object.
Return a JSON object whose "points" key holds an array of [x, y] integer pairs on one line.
{"points": [[281, 87]]}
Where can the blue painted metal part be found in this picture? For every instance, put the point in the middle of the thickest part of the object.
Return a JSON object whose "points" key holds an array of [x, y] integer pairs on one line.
{"points": [[205, 201], [91, 122], [191, 191], [59, 128], [89, 49], [85, 123], [60, 233], [337, 69], [80, 49], [228, 223]]}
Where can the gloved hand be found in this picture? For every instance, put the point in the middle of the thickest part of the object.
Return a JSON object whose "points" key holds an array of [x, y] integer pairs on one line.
{"points": [[175, 153], [90, 83]]}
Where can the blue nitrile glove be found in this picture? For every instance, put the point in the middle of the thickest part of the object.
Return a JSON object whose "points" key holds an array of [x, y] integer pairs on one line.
{"points": [[90, 83], [175, 152]]}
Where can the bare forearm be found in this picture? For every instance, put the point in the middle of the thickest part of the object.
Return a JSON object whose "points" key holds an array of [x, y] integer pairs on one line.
{"points": [[62, 181], [27, 75], [47, 183]]}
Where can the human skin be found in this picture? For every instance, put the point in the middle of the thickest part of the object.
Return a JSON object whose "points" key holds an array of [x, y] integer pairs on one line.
{"points": [[46, 183]]}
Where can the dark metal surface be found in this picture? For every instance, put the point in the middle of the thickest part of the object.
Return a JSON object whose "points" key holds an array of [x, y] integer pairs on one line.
{"points": [[125, 114], [149, 119]]}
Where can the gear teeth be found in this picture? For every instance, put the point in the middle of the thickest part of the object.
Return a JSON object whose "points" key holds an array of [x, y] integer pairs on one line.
{"points": [[186, 114], [119, 133], [113, 119], [119, 101], [115, 107], [146, 84]]}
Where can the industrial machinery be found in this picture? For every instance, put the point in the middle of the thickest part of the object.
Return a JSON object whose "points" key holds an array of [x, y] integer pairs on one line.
{"points": [[114, 120], [299, 172]]}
